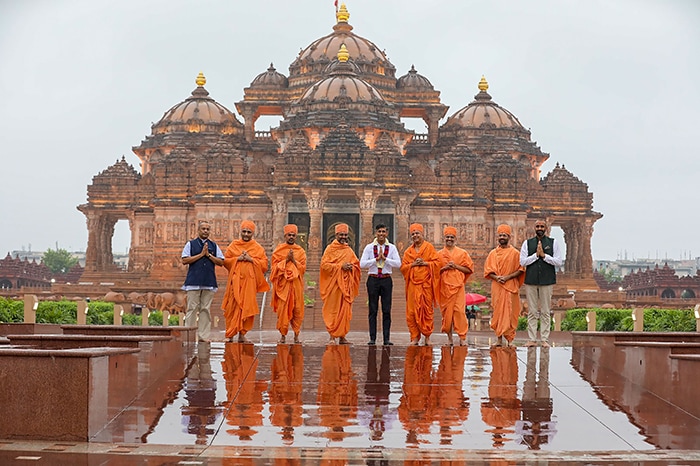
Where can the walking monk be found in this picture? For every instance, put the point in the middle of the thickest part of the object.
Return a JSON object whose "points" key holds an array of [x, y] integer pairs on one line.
{"points": [[455, 268], [422, 274], [287, 277], [246, 262], [339, 285], [506, 274]]}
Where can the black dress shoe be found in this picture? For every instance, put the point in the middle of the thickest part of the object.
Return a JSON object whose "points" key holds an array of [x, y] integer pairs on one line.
{"points": [[388, 343], [371, 343]]}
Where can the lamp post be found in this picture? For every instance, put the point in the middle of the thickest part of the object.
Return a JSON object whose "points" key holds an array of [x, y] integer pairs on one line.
{"points": [[591, 319], [31, 303]]}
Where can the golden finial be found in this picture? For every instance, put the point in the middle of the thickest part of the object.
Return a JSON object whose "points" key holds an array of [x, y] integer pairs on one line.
{"points": [[342, 14], [483, 84], [201, 80], [343, 54]]}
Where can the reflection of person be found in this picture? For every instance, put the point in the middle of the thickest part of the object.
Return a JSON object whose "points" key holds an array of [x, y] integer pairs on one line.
{"points": [[201, 255], [455, 268], [200, 393], [246, 262], [337, 392], [339, 284], [503, 268], [380, 257], [452, 407], [536, 426], [540, 255], [416, 403], [421, 273], [377, 390], [287, 277], [286, 388], [244, 392], [502, 408]]}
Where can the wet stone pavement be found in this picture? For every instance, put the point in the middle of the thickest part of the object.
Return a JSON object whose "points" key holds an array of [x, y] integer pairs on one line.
{"points": [[265, 403]]}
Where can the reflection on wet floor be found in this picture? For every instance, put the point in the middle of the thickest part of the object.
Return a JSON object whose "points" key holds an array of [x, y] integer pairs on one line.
{"points": [[418, 398]]}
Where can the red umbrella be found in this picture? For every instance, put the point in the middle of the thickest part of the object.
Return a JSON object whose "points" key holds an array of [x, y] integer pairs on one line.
{"points": [[473, 298]]}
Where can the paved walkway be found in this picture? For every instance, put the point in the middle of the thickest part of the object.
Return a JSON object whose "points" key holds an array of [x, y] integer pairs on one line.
{"points": [[316, 404]]}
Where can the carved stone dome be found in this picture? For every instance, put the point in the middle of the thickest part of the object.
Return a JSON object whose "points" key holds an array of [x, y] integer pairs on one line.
{"points": [[413, 80], [322, 51], [270, 79], [484, 113], [196, 114], [348, 87], [342, 84]]}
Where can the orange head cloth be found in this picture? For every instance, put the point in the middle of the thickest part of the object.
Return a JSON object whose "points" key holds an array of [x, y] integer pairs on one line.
{"points": [[291, 228], [503, 228], [416, 226], [248, 225], [342, 228], [449, 231]]}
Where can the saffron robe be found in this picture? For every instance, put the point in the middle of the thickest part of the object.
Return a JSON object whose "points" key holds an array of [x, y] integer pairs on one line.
{"points": [[338, 287], [505, 299], [288, 285], [422, 288], [452, 283], [245, 280]]}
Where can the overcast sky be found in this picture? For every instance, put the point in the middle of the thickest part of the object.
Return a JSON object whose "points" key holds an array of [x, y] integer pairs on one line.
{"points": [[609, 88]]}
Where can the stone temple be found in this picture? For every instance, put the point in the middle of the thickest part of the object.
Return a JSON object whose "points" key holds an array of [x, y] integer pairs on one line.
{"points": [[341, 153]]}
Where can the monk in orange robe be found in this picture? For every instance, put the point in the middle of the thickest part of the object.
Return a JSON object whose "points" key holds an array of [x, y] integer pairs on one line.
{"points": [[287, 277], [339, 284], [422, 275], [507, 275], [246, 263], [455, 268]]}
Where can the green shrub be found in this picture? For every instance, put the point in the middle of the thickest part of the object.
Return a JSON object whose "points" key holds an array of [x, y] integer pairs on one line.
{"points": [[522, 323], [100, 313], [11, 310], [669, 320], [131, 319], [56, 312], [575, 320]]}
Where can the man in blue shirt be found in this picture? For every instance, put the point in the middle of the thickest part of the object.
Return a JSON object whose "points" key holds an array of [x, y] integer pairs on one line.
{"points": [[202, 255]]}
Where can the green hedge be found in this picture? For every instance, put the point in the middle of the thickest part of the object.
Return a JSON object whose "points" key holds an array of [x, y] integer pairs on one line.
{"points": [[655, 320], [65, 312]]}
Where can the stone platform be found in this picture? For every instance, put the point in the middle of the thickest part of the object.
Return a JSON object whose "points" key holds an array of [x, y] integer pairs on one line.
{"points": [[265, 403]]}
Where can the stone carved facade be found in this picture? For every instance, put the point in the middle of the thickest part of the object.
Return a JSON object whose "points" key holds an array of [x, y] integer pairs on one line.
{"points": [[340, 148]]}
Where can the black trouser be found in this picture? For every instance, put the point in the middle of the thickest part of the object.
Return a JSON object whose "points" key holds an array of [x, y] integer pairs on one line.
{"points": [[379, 288]]}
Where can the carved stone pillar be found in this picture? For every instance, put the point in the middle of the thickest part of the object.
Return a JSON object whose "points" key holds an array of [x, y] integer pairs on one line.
{"points": [[572, 239], [368, 203], [585, 254], [402, 205], [315, 199], [91, 253], [280, 201]]}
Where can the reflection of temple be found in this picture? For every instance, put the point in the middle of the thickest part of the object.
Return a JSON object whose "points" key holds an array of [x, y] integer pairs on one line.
{"points": [[340, 153]]}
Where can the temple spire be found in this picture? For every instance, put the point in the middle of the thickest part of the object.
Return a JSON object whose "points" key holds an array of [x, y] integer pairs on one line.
{"points": [[342, 15], [201, 80], [483, 84], [343, 54]]}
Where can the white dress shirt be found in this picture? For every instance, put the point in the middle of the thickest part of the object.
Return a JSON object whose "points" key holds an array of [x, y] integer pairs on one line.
{"points": [[368, 261]]}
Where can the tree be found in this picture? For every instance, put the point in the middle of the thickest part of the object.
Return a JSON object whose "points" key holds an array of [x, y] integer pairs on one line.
{"points": [[59, 260]]}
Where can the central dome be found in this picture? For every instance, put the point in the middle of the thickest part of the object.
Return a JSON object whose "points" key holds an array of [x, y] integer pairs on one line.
{"points": [[320, 53]]}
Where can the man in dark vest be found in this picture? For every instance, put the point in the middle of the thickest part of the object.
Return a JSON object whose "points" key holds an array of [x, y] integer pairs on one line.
{"points": [[540, 255], [202, 255]]}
